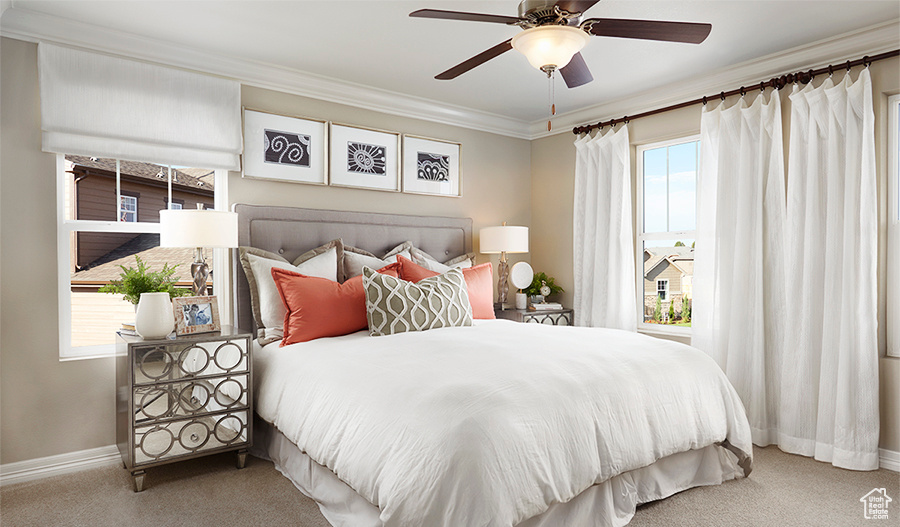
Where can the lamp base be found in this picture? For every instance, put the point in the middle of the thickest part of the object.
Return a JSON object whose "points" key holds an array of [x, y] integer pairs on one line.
{"points": [[200, 272], [503, 281]]}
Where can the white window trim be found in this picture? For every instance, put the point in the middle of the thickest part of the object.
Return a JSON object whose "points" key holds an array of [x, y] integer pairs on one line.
{"points": [[666, 290], [65, 227], [642, 237], [121, 210], [893, 243]]}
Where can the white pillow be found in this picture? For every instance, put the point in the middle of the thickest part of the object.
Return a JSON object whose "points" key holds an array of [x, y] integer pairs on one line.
{"points": [[428, 262], [270, 305], [354, 262]]}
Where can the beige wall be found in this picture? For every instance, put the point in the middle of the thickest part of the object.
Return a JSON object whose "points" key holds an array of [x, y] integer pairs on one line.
{"points": [[553, 172], [51, 407]]}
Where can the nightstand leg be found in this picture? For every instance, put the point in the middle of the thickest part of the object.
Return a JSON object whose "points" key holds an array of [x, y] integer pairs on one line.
{"points": [[138, 476], [241, 459]]}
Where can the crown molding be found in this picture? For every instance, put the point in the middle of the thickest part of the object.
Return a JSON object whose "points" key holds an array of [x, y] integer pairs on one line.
{"points": [[32, 26], [833, 50]]}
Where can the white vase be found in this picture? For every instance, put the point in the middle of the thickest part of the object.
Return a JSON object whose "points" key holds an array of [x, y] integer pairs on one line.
{"points": [[521, 300], [154, 318]]}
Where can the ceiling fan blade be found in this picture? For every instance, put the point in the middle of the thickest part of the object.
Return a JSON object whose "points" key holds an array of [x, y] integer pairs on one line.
{"points": [[688, 32], [459, 15], [576, 72], [477, 60], [576, 6]]}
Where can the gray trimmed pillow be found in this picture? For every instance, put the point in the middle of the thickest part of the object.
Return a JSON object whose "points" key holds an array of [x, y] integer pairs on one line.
{"points": [[397, 306], [265, 302], [354, 259], [429, 262]]}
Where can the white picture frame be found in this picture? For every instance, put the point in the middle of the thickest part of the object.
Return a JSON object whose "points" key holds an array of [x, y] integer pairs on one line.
{"points": [[439, 162], [364, 158], [285, 148], [196, 314]]}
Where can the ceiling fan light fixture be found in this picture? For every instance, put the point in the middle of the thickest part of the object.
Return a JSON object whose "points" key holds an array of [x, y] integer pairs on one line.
{"points": [[551, 46]]}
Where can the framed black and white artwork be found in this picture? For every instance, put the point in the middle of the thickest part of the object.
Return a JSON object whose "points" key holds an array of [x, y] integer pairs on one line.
{"points": [[285, 148], [364, 158], [431, 166]]}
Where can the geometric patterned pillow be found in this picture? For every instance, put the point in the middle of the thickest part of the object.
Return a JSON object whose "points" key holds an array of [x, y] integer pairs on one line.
{"points": [[397, 306]]}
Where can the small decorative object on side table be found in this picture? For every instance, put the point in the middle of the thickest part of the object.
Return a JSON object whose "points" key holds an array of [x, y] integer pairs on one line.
{"points": [[553, 317], [182, 398]]}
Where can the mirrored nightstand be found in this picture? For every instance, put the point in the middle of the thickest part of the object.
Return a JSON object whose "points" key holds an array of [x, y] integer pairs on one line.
{"points": [[182, 398]]}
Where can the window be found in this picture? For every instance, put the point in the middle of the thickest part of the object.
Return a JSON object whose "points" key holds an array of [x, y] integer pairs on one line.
{"points": [[662, 289], [666, 206], [128, 208], [176, 206], [107, 211], [893, 244]]}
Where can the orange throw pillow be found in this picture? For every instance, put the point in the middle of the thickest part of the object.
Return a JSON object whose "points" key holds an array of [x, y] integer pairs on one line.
{"points": [[479, 283], [319, 307]]}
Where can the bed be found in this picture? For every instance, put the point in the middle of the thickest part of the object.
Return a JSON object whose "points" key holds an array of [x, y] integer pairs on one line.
{"points": [[497, 424]]}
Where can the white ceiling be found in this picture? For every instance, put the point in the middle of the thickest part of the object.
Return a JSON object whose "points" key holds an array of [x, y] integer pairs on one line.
{"points": [[374, 43]]}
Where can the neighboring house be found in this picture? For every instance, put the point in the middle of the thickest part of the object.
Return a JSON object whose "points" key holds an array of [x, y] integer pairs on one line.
{"points": [[143, 193], [668, 275]]}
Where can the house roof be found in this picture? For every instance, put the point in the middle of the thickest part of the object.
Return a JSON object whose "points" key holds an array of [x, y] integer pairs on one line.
{"points": [[106, 268], [189, 178], [680, 257]]}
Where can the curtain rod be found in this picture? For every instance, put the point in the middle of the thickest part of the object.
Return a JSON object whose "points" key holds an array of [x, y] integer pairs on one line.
{"points": [[776, 82]]}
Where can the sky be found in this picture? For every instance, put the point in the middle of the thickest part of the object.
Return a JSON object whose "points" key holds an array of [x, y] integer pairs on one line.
{"points": [[674, 167]]}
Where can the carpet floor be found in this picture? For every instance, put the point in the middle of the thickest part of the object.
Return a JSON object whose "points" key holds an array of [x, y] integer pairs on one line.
{"points": [[783, 490]]}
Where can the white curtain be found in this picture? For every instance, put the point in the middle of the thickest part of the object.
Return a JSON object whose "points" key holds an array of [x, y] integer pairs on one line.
{"points": [[97, 105], [830, 390], [603, 236], [739, 276]]}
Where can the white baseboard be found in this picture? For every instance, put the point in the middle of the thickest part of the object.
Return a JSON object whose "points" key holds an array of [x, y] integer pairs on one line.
{"points": [[889, 459], [44, 467]]}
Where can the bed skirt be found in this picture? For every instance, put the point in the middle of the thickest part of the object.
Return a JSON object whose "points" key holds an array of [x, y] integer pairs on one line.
{"points": [[611, 503]]}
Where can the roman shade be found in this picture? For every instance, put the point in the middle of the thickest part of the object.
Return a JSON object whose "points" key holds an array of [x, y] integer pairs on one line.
{"points": [[104, 106]]}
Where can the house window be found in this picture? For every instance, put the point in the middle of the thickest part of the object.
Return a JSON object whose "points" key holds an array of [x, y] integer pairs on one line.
{"points": [[101, 227], [666, 207], [176, 206], [128, 208], [662, 289]]}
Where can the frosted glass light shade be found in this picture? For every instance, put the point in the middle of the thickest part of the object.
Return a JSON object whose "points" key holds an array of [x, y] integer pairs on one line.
{"points": [[550, 45], [198, 228], [505, 238]]}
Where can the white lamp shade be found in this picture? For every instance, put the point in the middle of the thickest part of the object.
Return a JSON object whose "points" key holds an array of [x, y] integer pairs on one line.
{"points": [[505, 238], [550, 45], [198, 228]]}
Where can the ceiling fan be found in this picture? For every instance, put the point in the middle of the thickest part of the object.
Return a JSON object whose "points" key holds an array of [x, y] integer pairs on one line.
{"points": [[555, 32]]}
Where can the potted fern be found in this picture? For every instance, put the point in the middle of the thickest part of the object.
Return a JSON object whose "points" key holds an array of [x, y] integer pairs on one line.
{"points": [[542, 282], [135, 282], [152, 293]]}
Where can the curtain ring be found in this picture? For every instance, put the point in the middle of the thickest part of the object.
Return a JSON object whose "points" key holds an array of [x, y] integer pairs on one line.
{"points": [[742, 92], [722, 95], [830, 71], [866, 61], [704, 100], [848, 66], [625, 120]]}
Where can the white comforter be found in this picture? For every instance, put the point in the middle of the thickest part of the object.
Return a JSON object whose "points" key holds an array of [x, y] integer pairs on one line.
{"points": [[489, 425]]}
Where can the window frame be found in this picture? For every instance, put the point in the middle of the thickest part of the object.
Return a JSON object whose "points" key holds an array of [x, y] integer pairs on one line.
{"points": [[665, 290], [641, 237], [65, 228], [893, 228], [128, 196]]}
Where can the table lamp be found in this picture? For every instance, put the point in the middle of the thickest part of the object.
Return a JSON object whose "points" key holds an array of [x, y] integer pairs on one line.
{"points": [[198, 229], [503, 239]]}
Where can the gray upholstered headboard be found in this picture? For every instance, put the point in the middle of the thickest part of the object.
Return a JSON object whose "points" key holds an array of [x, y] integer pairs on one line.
{"points": [[292, 231]]}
